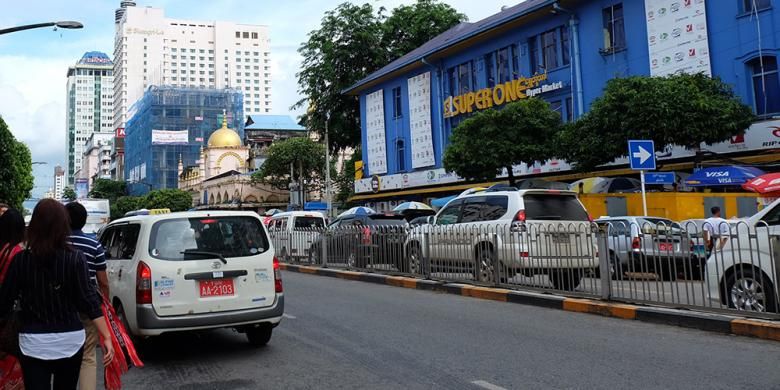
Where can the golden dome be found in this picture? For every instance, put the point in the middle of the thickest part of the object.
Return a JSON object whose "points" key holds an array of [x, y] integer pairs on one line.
{"points": [[224, 137]]}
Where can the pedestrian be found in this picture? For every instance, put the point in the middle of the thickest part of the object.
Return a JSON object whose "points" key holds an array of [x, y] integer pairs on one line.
{"points": [[3, 208], [95, 256], [11, 237], [51, 281], [581, 188], [716, 230]]}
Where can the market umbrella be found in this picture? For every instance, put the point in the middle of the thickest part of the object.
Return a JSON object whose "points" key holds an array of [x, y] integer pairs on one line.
{"points": [[272, 212], [728, 175], [441, 202], [360, 210], [411, 206], [587, 184], [617, 185], [764, 184]]}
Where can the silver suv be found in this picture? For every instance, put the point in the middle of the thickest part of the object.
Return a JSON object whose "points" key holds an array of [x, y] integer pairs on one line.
{"points": [[497, 233]]}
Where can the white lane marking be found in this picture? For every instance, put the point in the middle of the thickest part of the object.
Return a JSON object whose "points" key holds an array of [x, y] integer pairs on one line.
{"points": [[487, 385], [285, 315]]}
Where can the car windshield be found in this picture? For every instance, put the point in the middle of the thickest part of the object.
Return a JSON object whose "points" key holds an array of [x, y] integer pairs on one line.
{"points": [[547, 207], [232, 236], [309, 223]]}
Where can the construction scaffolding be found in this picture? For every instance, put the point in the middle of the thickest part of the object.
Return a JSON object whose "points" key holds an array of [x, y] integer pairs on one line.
{"points": [[171, 123]]}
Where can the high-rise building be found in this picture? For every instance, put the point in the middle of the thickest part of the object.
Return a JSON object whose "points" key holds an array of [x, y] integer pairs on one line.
{"points": [[90, 105], [59, 182], [96, 163], [150, 49]]}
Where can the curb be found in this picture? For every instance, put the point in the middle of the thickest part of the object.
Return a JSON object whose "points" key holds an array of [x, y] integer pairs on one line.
{"points": [[720, 323]]}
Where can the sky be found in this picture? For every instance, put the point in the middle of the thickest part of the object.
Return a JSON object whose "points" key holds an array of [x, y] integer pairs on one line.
{"points": [[34, 63]]}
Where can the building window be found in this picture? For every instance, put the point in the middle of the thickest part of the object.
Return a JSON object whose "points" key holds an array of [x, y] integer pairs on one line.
{"points": [[401, 155], [515, 61], [254, 35], [502, 65], [397, 113], [489, 73], [614, 30], [565, 53], [766, 85], [533, 54], [245, 34], [238, 34], [556, 106], [755, 5], [464, 78], [569, 110], [549, 43]]}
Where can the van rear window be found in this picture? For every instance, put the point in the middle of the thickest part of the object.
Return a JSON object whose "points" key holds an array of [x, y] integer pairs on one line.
{"points": [[234, 236], [306, 223], [546, 207]]}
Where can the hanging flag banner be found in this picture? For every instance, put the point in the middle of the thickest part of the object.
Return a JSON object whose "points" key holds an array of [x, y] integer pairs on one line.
{"points": [[168, 137], [677, 37], [375, 133], [420, 120]]}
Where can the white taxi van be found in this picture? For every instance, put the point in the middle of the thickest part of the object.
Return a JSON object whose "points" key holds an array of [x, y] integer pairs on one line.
{"points": [[173, 272]]}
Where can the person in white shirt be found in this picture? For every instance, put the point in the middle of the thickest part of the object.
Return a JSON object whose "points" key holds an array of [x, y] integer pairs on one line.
{"points": [[716, 230]]}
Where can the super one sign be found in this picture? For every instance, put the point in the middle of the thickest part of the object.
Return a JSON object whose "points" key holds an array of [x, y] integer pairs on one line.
{"points": [[508, 92]]}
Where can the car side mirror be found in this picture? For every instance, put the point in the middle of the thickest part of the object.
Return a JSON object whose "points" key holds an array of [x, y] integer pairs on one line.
{"points": [[430, 220]]}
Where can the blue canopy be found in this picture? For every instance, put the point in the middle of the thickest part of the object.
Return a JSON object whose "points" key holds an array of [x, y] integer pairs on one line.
{"points": [[732, 175], [311, 206], [441, 202]]}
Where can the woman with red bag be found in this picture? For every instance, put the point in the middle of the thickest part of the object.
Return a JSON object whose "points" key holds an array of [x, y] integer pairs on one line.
{"points": [[52, 283], [11, 237]]}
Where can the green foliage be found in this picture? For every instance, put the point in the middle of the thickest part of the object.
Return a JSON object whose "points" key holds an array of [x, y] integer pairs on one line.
{"points": [[353, 41], [410, 26], [173, 199], [68, 193], [123, 204], [108, 189], [345, 180], [300, 152], [16, 179], [520, 132], [683, 110]]}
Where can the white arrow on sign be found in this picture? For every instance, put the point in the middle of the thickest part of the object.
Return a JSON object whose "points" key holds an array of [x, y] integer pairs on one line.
{"points": [[642, 155]]}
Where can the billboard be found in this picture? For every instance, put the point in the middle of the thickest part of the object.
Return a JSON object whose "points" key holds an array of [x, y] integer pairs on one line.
{"points": [[81, 188], [677, 37], [375, 133], [170, 137], [420, 120]]}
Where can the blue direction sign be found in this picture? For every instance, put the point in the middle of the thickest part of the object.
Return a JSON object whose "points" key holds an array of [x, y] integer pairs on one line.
{"points": [[641, 154], [660, 178]]}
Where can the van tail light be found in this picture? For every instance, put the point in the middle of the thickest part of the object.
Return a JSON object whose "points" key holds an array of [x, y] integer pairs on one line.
{"points": [[366, 235], [143, 286], [636, 243], [520, 216], [277, 277], [590, 218]]}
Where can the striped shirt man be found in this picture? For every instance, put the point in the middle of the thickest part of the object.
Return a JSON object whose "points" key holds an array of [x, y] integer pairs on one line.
{"points": [[93, 252]]}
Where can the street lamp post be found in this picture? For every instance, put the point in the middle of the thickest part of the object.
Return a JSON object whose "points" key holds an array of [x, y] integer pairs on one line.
{"points": [[327, 168], [68, 24]]}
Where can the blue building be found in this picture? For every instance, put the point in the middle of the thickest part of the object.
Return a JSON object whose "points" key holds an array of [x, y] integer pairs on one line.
{"points": [[169, 124], [563, 52]]}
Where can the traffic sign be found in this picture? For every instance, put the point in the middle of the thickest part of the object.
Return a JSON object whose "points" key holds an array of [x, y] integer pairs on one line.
{"points": [[660, 178], [641, 154]]}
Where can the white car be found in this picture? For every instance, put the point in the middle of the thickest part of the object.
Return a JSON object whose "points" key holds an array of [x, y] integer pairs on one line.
{"points": [[744, 274], [192, 271], [523, 231], [293, 232]]}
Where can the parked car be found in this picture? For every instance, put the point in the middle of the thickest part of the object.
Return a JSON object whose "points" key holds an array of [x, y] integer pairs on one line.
{"points": [[194, 270], [293, 232], [523, 231], [363, 240], [651, 245], [743, 275]]}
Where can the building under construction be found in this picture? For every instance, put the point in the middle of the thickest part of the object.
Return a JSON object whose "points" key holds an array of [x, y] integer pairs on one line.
{"points": [[169, 124]]}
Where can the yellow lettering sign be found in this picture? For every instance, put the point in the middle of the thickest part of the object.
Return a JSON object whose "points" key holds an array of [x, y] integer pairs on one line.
{"points": [[507, 92]]}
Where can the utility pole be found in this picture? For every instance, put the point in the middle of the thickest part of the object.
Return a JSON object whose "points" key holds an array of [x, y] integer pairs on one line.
{"points": [[327, 168]]}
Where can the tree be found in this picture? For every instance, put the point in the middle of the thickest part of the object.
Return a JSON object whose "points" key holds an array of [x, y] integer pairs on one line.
{"points": [[410, 26], [678, 110], [123, 204], [495, 139], [301, 153], [68, 193], [352, 42], [173, 199], [16, 179], [345, 180], [108, 189]]}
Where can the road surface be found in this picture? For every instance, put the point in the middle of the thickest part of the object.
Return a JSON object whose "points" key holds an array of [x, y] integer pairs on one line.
{"points": [[341, 334]]}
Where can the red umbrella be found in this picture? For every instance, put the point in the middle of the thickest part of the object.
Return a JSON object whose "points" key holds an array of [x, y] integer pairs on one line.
{"points": [[764, 184]]}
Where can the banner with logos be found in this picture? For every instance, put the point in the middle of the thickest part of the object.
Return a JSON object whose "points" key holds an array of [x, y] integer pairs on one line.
{"points": [[677, 37], [170, 137], [420, 120], [375, 133], [760, 136]]}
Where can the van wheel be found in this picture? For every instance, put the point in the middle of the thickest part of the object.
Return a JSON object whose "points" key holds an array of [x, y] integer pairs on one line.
{"points": [[750, 290], [415, 259], [567, 280], [259, 335], [485, 263], [315, 255], [283, 255], [120, 312]]}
